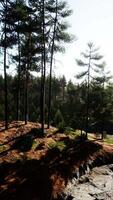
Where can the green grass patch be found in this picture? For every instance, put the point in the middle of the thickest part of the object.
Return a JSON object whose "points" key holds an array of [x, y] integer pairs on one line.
{"points": [[35, 145], [2, 148], [71, 132], [108, 140], [60, 145]]}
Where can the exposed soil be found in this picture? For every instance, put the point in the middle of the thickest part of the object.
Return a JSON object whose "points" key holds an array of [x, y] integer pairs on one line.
{"points": [[33, 167]]}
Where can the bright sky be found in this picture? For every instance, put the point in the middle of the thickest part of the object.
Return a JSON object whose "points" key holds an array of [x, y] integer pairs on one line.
{"points": [[92, 20]]}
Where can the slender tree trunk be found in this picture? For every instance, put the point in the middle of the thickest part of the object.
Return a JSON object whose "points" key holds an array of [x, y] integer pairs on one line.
{"points": [[26, 97], [5, 73], [43, 69], [18, 83], [88, 88], [63, 92], [27, 80], [51, 64], [102, 129], [41, 97]]}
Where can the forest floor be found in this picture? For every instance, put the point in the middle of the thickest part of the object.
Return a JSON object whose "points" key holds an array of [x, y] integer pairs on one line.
{"points": [[33, 167]]}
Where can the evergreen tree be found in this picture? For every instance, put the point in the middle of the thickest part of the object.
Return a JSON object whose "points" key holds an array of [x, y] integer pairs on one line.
{"points": [[91, 63], [58, 36], [5, 43]]}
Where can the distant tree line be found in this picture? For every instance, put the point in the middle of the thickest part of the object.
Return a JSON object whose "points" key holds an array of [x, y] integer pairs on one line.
{"points": [[68, 103]]}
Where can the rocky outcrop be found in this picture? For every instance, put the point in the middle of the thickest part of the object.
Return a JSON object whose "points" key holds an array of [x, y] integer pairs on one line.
{"points": [[96, 184]]}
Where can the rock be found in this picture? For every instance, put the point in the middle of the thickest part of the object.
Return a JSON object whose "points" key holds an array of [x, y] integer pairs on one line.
{"points": [[84, 179], [97, 185]]}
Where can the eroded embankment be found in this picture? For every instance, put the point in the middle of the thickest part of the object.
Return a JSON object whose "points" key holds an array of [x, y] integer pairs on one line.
{"points": [[92, 180], [97, 185]]}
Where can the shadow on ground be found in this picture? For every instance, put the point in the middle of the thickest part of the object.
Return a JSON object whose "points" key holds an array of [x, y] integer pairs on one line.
{"points": [[22, 143]]}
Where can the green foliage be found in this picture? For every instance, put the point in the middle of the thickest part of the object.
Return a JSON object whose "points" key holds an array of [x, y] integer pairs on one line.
{"points": [[52, 145], [60, 145], [71, 132], [2, 148], [58, 118], [108, 140], [91, 62], [61, 127], [35, 145], [68, 129], [71, 109]]}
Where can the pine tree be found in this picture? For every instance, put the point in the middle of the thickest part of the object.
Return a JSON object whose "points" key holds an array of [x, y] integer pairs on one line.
{"points": [[58, 37], [92, 65], [5, 65], [7, 40]]}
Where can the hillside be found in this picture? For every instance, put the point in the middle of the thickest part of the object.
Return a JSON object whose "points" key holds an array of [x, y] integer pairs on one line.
{"points": [[33, 167]]}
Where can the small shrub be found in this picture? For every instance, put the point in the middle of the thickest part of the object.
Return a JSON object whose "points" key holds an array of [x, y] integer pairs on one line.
{"points": [[61, 127], [60, 145], [104, 134], [52, 145], [71, 131], [58, 118], [68, 129]]}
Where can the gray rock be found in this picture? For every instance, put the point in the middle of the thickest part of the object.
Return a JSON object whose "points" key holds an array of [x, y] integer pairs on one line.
{"points": [[96, 185]]}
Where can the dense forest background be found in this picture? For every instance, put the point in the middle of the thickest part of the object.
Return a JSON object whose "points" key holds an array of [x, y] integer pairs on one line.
{"points": [[68, 103]]}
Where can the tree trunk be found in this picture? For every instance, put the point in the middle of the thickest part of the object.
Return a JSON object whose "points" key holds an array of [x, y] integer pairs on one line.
{"points": [[5, 73], [87, 111], [43, 70], [26, 97], [51, 64], [18, 83], [27, 79]]}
